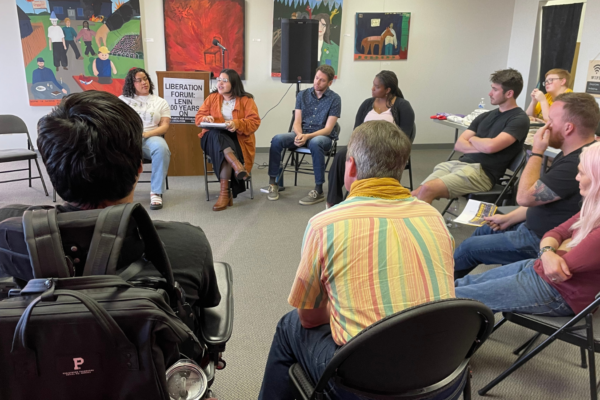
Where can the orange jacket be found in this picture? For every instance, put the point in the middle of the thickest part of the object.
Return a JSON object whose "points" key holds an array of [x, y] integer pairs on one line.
{"points": [[245, 117]]}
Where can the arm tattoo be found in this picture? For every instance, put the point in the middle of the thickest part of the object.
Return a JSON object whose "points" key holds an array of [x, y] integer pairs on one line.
{"points": [[543, 193]]}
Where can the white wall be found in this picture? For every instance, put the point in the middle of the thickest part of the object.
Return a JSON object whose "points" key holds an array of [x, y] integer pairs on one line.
{"points": [[590, 46], [453, 47]]}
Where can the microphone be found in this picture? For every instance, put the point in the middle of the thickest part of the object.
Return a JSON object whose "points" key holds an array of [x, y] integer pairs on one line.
{"points": [[217, 43]]}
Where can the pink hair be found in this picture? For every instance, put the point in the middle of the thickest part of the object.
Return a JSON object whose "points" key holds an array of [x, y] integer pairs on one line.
{"points": [[589, 219]]}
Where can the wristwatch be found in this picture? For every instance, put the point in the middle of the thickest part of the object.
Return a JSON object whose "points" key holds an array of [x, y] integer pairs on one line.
{"points": [[545, 249]]}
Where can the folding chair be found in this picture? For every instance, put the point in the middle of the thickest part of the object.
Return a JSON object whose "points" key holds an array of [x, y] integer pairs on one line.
{"points": [[503, 193], [581, 330], [13, 125], [207, 161]]}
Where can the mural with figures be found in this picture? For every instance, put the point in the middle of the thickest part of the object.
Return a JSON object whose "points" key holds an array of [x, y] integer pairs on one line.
{"points": [[329, 14], [191, 27], [75, 45], [381, 36]]}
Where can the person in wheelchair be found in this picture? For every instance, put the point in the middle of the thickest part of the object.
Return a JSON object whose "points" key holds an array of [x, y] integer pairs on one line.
{"points": [[91, 144]]}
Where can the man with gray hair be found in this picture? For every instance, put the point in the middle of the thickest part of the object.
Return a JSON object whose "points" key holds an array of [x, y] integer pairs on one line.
{"points": [[359, 260]]}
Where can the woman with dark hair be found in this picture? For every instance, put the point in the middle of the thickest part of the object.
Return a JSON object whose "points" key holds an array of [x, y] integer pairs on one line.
{"points": [[387, 103], [138, 92], [231, 149], [328, 50]]}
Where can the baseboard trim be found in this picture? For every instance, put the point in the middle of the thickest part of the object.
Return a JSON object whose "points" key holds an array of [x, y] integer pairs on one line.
{"points": [[421, 146]]}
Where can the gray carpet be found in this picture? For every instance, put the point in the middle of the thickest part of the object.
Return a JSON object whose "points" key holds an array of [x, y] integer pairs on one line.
{"points": [[261, 240]]}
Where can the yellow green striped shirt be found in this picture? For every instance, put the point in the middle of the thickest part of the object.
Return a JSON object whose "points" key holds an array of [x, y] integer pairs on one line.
{"points": [[371, 258]]}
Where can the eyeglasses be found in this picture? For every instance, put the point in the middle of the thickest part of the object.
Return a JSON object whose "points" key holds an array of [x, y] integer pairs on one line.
{"points": [[549, 81], [222, 80], [141, 80]]}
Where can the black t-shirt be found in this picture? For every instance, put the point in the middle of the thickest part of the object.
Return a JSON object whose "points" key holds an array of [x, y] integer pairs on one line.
{"points": [[489, 125], [186, 245], [560, 178]]}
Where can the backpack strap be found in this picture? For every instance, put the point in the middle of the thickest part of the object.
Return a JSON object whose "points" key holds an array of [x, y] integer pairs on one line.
{"points": [[44, 244]]}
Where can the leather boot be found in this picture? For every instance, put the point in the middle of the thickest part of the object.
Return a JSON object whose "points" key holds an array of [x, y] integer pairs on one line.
{"points": [[238, 168], [225, 198]]}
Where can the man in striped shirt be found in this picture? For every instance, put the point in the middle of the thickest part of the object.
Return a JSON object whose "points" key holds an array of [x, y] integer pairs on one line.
{"points": [[379, 252]]}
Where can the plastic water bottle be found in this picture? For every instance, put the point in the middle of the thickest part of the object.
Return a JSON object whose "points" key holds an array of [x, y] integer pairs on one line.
{"points": [[482, 103]]}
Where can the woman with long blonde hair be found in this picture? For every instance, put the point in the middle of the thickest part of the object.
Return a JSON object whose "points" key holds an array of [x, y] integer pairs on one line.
{"points": [[565, 278]]}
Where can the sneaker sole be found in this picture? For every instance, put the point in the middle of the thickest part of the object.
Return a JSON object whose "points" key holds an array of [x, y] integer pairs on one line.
{"points": [[304, 203], [276, 198], [281, 189]]}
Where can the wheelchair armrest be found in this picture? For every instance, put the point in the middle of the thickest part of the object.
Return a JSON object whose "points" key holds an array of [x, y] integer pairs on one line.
{"points": [[216, 323]]}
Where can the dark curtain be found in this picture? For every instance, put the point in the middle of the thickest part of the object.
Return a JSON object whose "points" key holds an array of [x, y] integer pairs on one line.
{"points": [[560, 25]]}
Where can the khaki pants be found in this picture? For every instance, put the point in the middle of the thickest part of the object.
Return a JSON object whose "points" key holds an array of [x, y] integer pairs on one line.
{"points": [[461, 178]]}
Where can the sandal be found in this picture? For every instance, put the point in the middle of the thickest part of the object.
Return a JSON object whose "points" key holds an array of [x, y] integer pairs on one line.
{"points": [[156, 201]]}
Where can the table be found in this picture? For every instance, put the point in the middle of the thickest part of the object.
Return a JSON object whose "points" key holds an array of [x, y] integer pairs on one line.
{"points": [[457, 127], [46, 94]]}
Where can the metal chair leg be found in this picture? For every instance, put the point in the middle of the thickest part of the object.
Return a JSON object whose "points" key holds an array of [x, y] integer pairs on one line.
{"points": [[410, 174], [249, 182], [167, 181], [583, 358], [525, 347], [448, 206], [499, 324], [41, 176], [54, 195], [205, 177], [591, 356], [29, 162]]}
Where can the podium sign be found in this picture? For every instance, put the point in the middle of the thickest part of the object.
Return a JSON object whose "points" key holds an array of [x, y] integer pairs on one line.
{"points": [[185, 96]]}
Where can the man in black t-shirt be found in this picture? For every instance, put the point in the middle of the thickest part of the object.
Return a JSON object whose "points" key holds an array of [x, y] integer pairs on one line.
{"points": [[546, 201], [91, 144], [492, 141]]}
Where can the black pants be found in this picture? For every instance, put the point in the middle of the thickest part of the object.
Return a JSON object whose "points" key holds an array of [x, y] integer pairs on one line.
{"points": [[73, 45], [213, 143], [59, 54], [336, 178], [88, 48]]}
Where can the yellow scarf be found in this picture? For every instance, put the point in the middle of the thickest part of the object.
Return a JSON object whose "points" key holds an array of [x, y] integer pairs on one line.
{"points": [[382, 188]]}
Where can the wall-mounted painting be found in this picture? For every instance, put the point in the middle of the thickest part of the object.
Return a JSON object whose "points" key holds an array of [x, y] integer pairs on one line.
{"points": [[192, 26], [329, 14], [75, 45], [381, 36]]}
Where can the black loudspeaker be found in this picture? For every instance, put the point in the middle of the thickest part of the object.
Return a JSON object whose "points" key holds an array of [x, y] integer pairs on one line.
{"points": [[299, 50]]}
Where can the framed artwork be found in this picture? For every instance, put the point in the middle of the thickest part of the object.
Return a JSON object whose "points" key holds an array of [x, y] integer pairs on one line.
{"points": [[75, 45], [329, 14], [191, 27], [381, 36]]}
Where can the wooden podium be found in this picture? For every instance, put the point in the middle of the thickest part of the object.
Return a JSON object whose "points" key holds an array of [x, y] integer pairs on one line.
{"points": [[187, 158]]}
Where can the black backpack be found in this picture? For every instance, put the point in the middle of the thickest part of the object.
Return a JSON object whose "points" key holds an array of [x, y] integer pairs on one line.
{"points": [[95, 336]]}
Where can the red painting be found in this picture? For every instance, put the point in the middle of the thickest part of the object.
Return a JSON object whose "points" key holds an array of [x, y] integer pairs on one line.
{"points": [[192, 25]]}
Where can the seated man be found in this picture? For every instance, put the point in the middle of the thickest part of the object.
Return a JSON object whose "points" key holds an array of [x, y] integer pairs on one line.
{"points": [[317, 111], [91, 144], [546, 201], [489, 145], [409, 237]]}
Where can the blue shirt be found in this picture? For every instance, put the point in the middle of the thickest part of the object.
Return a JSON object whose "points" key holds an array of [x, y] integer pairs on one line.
{"points": [[103, 67], [44, 75], [70, 33], [315, 111]]}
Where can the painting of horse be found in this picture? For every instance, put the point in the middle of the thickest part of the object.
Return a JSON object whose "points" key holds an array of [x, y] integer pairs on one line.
{"points": [[381, 36]]}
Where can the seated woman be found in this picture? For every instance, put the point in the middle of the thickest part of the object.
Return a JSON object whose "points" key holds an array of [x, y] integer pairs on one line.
{"points": [[566, 277], [387, 104], [557, 82], [138, 92], [231, 149]]}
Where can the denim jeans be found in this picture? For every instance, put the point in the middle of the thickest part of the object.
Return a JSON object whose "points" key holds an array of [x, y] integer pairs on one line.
{"points": [[317, 145], [516, 288], [156, 148], [312, 349], [501, 247]]}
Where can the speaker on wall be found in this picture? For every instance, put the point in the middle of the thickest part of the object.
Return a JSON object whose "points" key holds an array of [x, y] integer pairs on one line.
{"points": [[299, 50]]}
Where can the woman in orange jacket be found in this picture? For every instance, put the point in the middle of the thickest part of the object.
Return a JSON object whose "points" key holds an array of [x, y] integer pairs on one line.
{"points": [[231, 149]]}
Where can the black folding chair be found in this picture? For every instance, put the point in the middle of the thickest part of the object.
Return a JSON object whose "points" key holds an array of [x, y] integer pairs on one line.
{"points": [[413, 354], [581, 330], [207, 161], [11, 125]]}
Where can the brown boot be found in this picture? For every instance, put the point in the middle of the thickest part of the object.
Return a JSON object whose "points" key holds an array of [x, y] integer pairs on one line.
{"points": [[238, 168], [224, 199]]}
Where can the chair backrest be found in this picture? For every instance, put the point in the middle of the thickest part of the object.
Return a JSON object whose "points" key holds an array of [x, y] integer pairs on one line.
{"points": [[411, 351], [11, 124], [518, 162]]}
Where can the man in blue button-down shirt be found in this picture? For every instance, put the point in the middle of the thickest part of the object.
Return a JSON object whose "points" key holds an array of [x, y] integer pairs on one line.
{"points": [[316, 114]]}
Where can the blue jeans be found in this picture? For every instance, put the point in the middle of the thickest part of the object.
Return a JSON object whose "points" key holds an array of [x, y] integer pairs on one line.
{"points": [[501, 247], [156, 148], [516, 288], [312, 349], [318, 146]]}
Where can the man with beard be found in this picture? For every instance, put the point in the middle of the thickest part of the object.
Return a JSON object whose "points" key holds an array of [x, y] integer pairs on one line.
{"points": [[489, 145], [545, 201]]}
